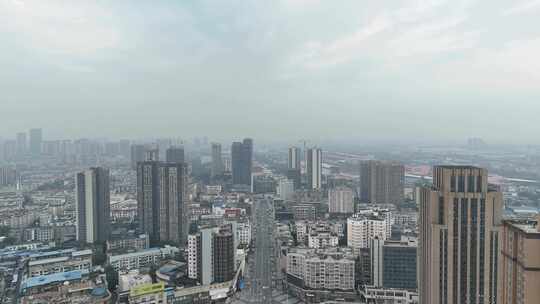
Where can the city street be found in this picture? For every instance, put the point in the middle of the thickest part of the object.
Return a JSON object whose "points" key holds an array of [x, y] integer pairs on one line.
{"points": [[260, 287]]}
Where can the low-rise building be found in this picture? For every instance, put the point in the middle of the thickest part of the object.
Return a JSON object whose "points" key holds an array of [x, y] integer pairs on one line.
{"points": [[58, 261], [322, 240], [140, 259], [130, 241], [379, 295], [65, 287]]}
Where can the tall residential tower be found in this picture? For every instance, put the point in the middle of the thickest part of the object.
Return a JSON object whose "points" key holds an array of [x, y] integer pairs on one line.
{"points": [[459, 242], [381, 182], [242, 162], [314, 168], [92, 205]]}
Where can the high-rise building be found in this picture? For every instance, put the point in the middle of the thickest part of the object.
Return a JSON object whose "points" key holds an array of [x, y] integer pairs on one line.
{"points": [[211, 255], [137, 155], [286, 189], [520, 265], [459, 242], [151, 154], [36, 137], [160, 195], [93, 205], [393, 263], [171, 202], [9, 150], [148, 199], [341, 200], [381, 182], [294, 169], [8, 176], [314, 168], [175, 155], [242, 162], [361, 228], [217, 160], [21, 143]]}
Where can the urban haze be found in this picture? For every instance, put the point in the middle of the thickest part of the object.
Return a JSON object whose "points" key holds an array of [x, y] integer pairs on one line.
{"points": [[265, 152]]}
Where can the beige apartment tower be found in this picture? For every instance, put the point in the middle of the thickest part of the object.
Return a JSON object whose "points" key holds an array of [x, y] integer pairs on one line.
{"points": [[381, 182], [520, 262], [459, 243]]}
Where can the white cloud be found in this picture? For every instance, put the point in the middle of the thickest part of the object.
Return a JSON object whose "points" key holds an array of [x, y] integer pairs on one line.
{"points": [[59, 27], [522, 8]]}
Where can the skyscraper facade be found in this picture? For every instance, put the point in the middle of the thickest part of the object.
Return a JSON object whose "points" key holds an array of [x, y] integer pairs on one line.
{"points": [[211, 255], [36, 137], [242, 162], [294, 170], [137, 155], [175, 155], [314, 168], [520, 262], [160, 196], [381, 182], [459, 247], [217, 160], [92, 205], [21, 143], [148, 199], [171, 202], [393, 264], [341, 200]]}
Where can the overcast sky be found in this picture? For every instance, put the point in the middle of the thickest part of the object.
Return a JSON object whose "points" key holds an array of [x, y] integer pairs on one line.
{"points": [[284, 69]]}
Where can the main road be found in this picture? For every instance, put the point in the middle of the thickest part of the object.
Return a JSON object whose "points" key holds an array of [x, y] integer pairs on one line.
{"points": [[261, 275]]}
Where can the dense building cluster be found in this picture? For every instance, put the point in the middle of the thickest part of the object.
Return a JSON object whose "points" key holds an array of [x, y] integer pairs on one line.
{"points": [[170, 221]]}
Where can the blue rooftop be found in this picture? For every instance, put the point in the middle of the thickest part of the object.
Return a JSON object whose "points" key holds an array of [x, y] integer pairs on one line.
{"points": [[52, 278]]}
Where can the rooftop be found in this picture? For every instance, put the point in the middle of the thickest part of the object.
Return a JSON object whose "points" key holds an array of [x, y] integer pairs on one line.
{"points": [[53, 278]]}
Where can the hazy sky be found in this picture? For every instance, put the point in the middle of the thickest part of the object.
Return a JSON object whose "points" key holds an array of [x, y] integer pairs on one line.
{"points": [[272, 69]]}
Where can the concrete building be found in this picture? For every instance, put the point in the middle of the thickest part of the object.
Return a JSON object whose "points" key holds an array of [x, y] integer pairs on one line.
{"points": [[8, 176], [211, 255], [137, 155], [175, 155], [92, 203], [459, 242], [133, 242], [36, 138], [74, 286], [314, 168], [217, 160], [520, 267], [341, 200], [50, 262], [304, 212], [393, 264], [361, 228], [382, 182], [22, 144], [285, 189], [242, 162], [160, 196], [380, 295], [172, 181], [140, 259], [322, 240], [243, 233], [322, 270], [294, 169]]}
